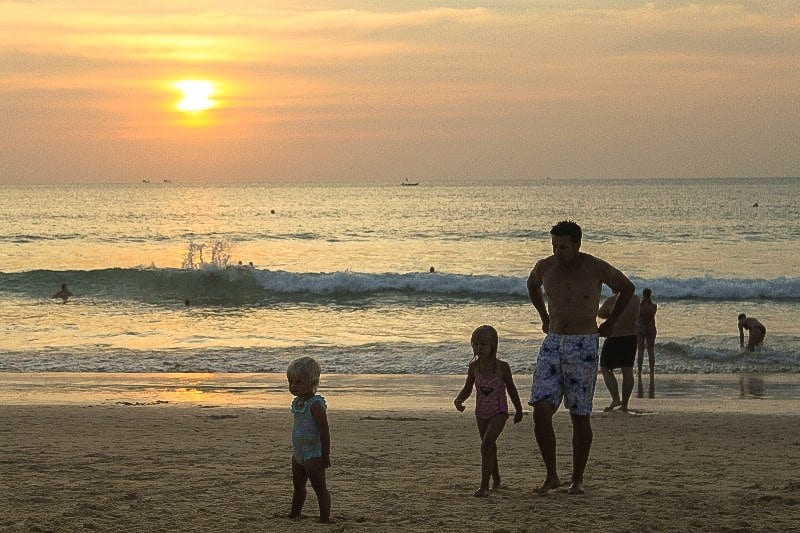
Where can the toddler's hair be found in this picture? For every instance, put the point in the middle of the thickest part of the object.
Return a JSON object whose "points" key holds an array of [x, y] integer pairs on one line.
{"points": [[306, 367], [486, 331]]}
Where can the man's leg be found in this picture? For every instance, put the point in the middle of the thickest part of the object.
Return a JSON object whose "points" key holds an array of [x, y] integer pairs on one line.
{"points": [[581, 445], [546, 440], [627, 386], [612, 386]]}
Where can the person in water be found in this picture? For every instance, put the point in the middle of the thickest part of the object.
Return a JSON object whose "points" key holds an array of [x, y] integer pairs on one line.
{"points": [[619, 351], [646, 335], [756, 333], [64, 293], [492, 380]]}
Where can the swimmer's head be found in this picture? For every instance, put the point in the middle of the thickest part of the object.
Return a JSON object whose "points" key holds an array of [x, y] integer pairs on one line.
{"points": [[647, 293], [742, 317]]}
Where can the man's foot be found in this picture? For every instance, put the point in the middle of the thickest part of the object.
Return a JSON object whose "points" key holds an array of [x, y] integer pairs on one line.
{"points": [[549, 484], [624, 408], [481, 493], [614, 405], [294, 515], [576, 488]]}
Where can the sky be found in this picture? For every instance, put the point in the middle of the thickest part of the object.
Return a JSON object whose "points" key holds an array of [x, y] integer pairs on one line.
{"points": [[384, 90]]}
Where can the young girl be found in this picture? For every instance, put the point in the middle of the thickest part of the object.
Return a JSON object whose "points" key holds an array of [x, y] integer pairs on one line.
{"points": [[492, 379], [311, 438], [646, 337]]}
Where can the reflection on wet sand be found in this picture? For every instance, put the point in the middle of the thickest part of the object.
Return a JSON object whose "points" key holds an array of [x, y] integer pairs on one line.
{"points": [[751, 386]]}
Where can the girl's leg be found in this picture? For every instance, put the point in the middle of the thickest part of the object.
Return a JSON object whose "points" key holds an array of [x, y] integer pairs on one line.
{"points": [[316, 473], [299, 478], [651, 353], [489, 431], [639, 356]]}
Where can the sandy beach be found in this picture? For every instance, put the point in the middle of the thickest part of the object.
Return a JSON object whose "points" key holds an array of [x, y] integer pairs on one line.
{"points": [[403, 460]]}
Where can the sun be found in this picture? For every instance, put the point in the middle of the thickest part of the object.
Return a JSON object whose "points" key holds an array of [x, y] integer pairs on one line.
{"points": [[196, 95]]}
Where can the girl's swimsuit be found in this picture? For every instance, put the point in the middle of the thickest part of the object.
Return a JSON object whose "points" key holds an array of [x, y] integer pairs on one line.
{"points": [[490, 397], [305, 434], [646, 325]]}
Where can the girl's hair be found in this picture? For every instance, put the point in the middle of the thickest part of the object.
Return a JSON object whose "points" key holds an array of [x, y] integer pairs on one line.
{"points": [[306, 367], [486, 331]]}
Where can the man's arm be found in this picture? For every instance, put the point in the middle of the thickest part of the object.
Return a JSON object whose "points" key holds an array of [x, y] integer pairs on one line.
{"points": [[741, 335], [536, 296], [621, 284], [605, 308]]}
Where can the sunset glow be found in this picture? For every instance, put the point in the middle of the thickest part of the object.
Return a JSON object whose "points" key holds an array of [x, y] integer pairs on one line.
{"points": [[445, 90]]}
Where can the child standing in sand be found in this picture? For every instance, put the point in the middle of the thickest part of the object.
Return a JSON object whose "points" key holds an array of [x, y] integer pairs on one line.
{"points": [[311, 438], [492, 379]]}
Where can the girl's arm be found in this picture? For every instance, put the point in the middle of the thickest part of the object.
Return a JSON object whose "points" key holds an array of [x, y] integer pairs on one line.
{"points": [[321, 419], [467, 390], [512, 391]]}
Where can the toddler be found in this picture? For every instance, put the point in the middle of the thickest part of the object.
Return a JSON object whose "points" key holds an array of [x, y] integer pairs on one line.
{"points": [[311, 438]]}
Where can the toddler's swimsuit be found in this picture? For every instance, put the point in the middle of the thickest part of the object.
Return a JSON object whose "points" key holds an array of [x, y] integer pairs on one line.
{"points": [[305, 434]]}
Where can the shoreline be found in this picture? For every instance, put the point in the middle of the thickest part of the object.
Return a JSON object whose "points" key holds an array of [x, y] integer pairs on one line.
{"points": [[753, 393]]}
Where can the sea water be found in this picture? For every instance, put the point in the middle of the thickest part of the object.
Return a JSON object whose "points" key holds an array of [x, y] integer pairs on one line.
{"points": [[171, 277]]}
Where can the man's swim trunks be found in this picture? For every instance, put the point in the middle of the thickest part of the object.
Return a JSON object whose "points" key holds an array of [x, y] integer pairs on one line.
{"points": [[566, 369], [618, 352]]}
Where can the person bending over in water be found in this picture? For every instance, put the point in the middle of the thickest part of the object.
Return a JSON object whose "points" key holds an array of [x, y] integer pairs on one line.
{"points": [[756, 332], [492, 380], [64, 293]]}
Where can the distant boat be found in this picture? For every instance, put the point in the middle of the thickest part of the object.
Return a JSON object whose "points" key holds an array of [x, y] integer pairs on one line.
{"points": [[406, 183], [145, 181]]}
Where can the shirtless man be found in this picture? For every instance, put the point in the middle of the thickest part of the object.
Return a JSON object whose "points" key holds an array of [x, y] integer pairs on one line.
{"points": [[567, 364], [756, 332], [64, 293], [619, 351]]}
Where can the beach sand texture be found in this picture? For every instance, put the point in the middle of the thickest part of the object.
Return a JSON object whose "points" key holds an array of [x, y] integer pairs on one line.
{"points": [[164, 467]]}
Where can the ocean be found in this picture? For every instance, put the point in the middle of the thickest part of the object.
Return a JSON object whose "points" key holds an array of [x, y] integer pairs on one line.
{"points": [[241, 278]]}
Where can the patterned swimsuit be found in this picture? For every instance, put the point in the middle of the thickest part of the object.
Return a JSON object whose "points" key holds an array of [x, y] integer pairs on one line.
{"points": [[305, 434], [490, 396]]}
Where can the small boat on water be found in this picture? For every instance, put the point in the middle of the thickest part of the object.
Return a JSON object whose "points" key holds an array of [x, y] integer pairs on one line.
{"points": [[406, 183]]}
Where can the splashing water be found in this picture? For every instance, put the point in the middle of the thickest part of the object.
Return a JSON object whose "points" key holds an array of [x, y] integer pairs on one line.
{"points": [[220, 255]]}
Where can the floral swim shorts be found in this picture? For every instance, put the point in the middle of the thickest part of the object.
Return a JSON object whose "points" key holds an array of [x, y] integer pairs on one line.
{"points": [[566, 369]]}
